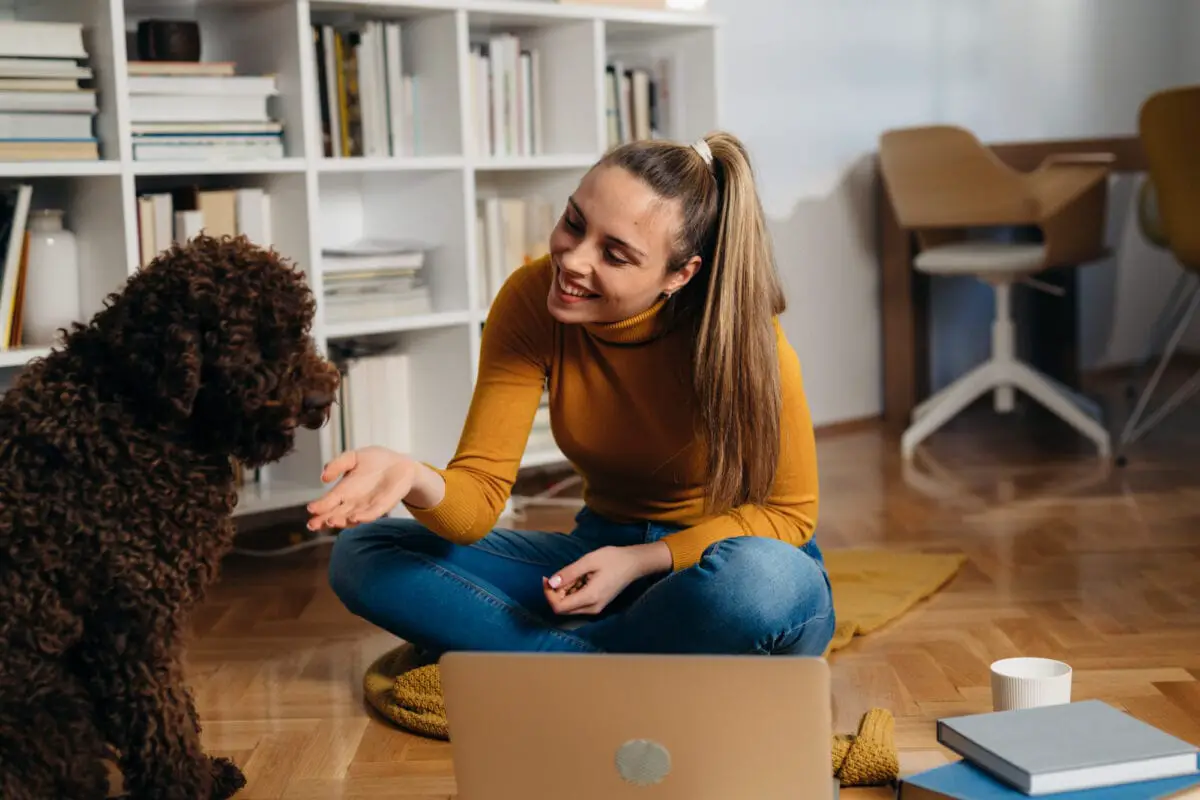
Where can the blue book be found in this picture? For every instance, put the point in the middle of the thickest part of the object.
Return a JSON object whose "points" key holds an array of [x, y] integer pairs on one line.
{"points": [[963, 781]]}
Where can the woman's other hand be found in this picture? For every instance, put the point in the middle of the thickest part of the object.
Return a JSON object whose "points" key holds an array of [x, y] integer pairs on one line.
{"points": [[373, 481], [588, 585]]}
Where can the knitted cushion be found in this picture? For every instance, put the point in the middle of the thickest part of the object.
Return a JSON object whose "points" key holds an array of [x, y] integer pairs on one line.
{"points": [[409, 694]]}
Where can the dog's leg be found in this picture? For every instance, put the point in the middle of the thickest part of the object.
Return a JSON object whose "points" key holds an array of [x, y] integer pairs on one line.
{"points": [[149, 717], [50, 747]]}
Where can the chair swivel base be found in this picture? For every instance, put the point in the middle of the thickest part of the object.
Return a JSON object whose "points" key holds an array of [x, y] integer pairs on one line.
{"points": [[1003, 374]]}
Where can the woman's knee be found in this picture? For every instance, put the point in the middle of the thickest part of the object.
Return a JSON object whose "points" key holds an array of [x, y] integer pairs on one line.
{"points": [[360, 552], [770, 589]]}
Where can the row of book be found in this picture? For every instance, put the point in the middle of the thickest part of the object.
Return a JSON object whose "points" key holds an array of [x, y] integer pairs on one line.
{"points": [[637, 100], [48, 101], [180, 214], [205, 110], [505, 97], [373, 406], [510, 232], [367, 99]]}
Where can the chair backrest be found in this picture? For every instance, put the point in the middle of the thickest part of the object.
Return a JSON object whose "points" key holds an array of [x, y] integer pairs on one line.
{"points": [[941, 176], [1169, 127]]}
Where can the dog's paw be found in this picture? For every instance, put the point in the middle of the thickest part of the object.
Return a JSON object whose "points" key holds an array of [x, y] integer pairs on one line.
{"points": [[227, 779]]}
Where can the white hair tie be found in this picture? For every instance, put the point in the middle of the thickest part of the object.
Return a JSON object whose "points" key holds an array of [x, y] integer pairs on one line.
{"points": [[701, 147]]}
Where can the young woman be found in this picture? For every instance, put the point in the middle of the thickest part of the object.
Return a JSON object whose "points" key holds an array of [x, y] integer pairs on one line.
{"points": [[674, 394]]}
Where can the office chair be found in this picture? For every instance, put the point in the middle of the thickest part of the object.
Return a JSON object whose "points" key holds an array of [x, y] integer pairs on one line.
{"points": [[1169, 127], [945, 185]]}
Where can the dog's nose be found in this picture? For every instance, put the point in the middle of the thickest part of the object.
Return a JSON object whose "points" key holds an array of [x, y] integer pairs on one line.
{"points": [[317, 401]]}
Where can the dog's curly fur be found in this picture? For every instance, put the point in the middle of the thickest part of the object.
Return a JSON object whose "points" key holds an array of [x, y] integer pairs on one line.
{"points": [[116, 493]]}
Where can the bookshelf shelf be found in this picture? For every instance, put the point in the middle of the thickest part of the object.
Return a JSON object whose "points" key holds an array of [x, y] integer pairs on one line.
{"points": [[21, 356], [230, 167], [432, 175], [57, 169], [389, 164], [416, 322]]}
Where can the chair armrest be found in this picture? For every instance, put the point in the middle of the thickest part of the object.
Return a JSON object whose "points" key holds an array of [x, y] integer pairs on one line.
{"points": [[1057, 184]]}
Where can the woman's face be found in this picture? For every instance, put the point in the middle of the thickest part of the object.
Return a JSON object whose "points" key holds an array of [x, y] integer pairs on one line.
{"points": [[610, 249]]}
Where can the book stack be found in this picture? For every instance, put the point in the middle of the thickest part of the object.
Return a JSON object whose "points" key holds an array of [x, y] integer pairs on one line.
{"points": [[505, 97], [374, 279], [169, 217], [1087, 750], [201, 111], [510, 232], [368, 101], [47, 103], [637, 101]]}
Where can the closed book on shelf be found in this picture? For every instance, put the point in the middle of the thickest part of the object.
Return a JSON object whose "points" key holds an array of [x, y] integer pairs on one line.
{"points": [[22, 38], [1067, 747], [964, 781]]}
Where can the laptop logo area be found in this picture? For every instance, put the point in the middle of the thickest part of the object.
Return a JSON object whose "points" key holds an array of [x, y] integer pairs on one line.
{"points": [[643, 762]]}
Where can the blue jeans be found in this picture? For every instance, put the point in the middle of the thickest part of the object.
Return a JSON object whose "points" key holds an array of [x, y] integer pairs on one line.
{"points": [[747, 595]]}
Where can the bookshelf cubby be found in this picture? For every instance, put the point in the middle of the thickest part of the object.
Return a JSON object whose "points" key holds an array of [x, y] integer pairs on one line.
{"points": [[428, 178]]}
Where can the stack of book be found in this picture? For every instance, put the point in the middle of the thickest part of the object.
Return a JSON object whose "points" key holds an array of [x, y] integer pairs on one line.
{"points": [[368, 102], [374, 279], [1087, 750], [201, 111], [506, 98], [167, 217], [47, 103]]}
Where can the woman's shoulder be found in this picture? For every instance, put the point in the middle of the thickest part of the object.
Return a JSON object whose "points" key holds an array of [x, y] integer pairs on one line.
{"points": [[521, 300], [531, 277]]}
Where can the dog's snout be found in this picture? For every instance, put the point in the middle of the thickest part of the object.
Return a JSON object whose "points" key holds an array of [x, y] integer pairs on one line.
{"points": [[317, 401]]}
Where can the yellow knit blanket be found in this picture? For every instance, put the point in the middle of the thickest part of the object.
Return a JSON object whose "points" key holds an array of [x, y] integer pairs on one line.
{"points": [[414, 702]]}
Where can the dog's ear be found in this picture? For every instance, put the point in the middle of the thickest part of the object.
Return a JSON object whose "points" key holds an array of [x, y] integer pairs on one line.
{"points": [[179, 375]]}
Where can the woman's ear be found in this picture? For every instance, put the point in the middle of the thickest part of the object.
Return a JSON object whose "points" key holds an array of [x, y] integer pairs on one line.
{"points": [[680, 277]]}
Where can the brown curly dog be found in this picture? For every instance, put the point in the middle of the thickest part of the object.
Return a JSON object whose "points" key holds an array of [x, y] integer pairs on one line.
{"points": [[116, 493]]}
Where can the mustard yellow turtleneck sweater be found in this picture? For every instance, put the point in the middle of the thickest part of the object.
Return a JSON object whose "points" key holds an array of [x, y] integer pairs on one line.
{"points": [[623, 412]]}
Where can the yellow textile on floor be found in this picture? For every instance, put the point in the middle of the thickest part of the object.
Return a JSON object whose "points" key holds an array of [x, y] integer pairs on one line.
{"points": [[874, 587], [870, 589]]}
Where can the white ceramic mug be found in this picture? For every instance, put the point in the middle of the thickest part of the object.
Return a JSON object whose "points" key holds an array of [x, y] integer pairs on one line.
{"points": [[1029, 683]]}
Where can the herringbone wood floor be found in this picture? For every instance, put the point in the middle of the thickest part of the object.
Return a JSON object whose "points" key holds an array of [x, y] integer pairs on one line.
{"points": [[1069, 558]]}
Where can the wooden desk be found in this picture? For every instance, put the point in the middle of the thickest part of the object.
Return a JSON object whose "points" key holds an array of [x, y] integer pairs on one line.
{"points": [[905, 300]]}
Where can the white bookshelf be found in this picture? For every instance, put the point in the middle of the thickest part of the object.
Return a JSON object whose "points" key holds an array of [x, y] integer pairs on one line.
{"points": [[318, 201]]}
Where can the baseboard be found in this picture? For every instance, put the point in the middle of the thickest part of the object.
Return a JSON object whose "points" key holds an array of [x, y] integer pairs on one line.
{"points": [[855, 425]]}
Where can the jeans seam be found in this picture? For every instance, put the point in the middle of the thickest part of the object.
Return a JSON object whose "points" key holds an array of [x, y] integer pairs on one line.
{"points": [[515, 610]]}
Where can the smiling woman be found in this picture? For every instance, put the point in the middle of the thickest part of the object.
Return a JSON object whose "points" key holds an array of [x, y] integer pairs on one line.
{"points": [[674, 393]]}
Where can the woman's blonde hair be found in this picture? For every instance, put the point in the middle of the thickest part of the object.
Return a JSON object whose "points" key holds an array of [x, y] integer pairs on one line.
{"points": [[732, 299]]}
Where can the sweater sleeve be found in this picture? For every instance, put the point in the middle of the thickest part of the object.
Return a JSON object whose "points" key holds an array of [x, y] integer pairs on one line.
{"points": [[514, 361], [790, 513]]}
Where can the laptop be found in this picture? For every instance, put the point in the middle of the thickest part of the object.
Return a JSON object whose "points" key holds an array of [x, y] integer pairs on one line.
{"points": [[658, 727]]}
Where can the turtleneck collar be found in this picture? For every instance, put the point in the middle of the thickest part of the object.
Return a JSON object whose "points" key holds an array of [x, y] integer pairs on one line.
{"points": [[644, 327]]}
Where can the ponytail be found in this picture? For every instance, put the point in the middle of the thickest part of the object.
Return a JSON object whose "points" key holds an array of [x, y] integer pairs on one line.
{"points": [[732, 300]]}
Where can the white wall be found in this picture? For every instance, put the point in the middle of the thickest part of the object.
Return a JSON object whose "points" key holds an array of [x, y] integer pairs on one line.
{"points": [[810, 85]]}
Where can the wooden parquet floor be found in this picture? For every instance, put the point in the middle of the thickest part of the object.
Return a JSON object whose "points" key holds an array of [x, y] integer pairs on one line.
{"points": [[1068, 558]]}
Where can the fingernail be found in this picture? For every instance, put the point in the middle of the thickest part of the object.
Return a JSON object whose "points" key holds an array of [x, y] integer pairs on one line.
{"points": [[555, 581]]}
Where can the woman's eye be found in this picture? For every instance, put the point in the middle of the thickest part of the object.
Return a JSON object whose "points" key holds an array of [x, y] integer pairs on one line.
{"points": [[615, 259], [572, 224]]}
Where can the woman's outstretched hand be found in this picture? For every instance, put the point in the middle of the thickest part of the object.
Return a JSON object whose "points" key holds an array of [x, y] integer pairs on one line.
{"points": [[588, 585], [373, 481]]}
